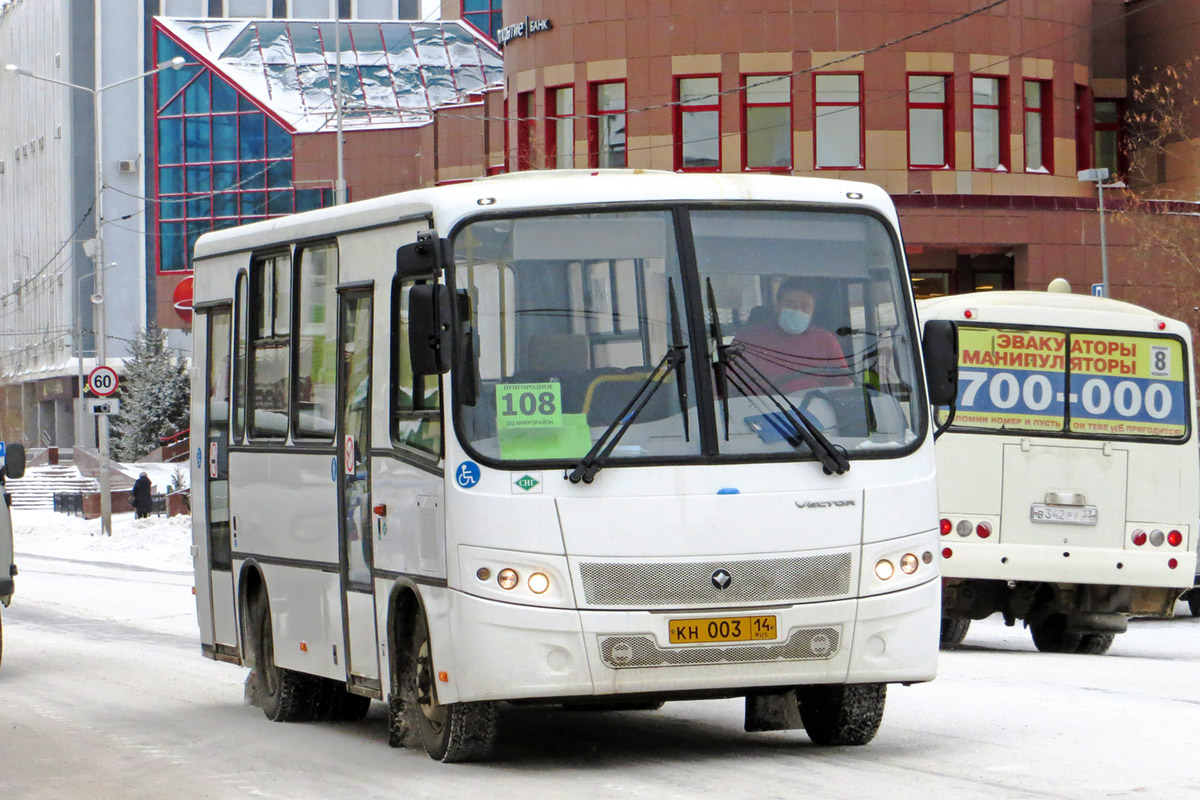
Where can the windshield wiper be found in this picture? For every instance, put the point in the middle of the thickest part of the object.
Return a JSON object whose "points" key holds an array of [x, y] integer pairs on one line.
{"points": [[674, 360], [721, 365]]}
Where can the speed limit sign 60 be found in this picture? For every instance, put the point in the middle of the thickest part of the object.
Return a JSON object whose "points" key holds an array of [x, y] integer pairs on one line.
{"points": [[103, 381]]}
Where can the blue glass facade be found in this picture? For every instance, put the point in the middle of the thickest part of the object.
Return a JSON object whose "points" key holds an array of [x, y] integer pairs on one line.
{"points": [[220, 160]]}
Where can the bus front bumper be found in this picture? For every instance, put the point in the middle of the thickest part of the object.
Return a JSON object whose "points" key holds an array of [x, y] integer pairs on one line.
{"points": [[504, 651]]}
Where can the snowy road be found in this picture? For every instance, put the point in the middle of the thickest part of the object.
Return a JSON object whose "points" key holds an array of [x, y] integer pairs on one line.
{"points": [[104, 694]]}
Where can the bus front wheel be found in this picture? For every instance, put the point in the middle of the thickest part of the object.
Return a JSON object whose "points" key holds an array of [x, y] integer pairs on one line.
{"points": [[451, 732], [286, 696], [845, 714]]}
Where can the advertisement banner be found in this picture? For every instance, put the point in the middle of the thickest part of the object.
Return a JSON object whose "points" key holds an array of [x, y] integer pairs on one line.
{"points": [[1106, 384]]}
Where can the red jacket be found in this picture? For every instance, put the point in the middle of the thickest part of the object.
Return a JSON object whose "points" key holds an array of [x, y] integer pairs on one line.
{"points": [[814, 354]]}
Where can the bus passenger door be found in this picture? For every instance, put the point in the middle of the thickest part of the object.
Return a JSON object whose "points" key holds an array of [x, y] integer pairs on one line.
{"points": [[214, 462], [354, 487]]}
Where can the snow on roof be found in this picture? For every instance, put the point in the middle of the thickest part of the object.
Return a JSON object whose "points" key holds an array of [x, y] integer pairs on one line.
{"points": [[392, 72]]}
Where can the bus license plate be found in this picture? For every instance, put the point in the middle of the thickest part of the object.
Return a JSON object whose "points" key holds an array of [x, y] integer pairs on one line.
{"points": [[721, 629], [1071, 515]]}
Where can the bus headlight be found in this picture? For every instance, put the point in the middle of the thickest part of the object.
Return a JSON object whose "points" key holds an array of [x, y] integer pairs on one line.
{"points": [[538, 583], [908, 564], [884, 569], [508, 578]]}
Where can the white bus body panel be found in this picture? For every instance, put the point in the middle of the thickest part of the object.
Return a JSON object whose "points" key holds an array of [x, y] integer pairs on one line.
{"points": [[198, 464]]}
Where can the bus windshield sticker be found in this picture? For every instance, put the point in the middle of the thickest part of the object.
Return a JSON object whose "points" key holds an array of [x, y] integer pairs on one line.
{"points": [[572, 439], [529, 406], [1121, 385]]}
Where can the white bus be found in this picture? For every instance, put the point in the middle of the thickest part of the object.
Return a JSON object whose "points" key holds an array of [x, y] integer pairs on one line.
{"points": [[12, 465], [1068, 478], [500, 441]]}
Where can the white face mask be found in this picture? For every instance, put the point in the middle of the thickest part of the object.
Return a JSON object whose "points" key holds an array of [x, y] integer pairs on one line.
{"points": [[793, 320]]}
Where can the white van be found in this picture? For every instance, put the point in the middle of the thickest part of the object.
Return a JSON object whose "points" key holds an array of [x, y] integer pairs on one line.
{"points": [[12, 465]]}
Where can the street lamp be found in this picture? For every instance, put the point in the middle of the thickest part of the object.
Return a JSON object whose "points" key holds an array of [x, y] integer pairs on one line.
{"points": [[1098, 176], [96, 251]]}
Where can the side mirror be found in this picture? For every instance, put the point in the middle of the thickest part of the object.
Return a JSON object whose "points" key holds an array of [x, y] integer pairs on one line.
{"points": [[420, 257], [14, 460], [429, 329], [939, 346]]}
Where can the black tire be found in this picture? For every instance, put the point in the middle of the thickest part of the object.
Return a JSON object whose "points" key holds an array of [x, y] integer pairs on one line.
{"points": [[1194, 602], [1050, 635], [451, 733], [847, 714], [954, 630], [1095, 644], [286, 695], [1, 639]]}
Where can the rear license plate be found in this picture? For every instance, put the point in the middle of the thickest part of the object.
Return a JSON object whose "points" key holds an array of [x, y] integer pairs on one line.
{"points": [[721, 629], [1071, 515]]}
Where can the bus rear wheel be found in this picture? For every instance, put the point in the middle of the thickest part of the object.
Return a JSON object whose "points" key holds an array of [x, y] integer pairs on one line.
{"points": [[1194, 602], [1050, 635], [451, 732], [846, 714], [1095, 644], [286, 695], [954, 630]]}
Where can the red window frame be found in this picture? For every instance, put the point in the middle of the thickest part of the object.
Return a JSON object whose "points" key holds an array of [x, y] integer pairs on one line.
{"points": [[1117, 127], [1083, 127], [486, 20], [817, 104], [594, 115], [745, 125], [710, 105], [1003, 151], [1045, 122], [525, 128], [554, 119], [947, 110]]}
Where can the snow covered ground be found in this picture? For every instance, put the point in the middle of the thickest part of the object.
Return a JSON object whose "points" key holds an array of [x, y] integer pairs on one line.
{"points": [[103, 681]]}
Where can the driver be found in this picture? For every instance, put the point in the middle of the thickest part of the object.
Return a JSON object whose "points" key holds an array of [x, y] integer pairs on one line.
{"points": [[788, 349]]}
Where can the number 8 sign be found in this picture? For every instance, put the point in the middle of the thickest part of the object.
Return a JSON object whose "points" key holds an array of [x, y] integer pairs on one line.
{"points": [[103, 381]]}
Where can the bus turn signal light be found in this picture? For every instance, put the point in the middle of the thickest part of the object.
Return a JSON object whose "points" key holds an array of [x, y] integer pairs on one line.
{"points": [[1139, 537]]}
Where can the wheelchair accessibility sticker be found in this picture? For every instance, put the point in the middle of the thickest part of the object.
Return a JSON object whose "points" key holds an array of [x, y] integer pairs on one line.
{"points": [[467, 475]]}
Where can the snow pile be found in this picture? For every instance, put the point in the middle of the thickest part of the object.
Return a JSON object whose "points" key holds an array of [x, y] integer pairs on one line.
{"points": [[156, 542]]}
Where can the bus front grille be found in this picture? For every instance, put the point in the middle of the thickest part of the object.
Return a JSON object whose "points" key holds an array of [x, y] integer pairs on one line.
{"points": [[674, 585], [805, 644]]}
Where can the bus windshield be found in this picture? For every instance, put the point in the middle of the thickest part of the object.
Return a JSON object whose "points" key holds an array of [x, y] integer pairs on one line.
{"points": [[1054, 381], [564, 317]]}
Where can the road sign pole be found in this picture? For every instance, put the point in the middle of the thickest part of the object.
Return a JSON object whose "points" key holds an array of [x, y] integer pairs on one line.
{"points": [[107, 378]]}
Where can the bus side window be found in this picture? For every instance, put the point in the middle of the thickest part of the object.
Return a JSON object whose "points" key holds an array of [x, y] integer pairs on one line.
{"points": [[416, 399], [270, 345]]}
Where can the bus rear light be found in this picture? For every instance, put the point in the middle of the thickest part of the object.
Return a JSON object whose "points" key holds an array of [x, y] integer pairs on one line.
{"points": [[1172, 563], [983, 530], [1139, 537], [947, 526], [947, 552], [1174, 538], [909, 563], [508, 578], [1162, 326], [964, 527], [884, 569], [1156, 537], [538, 583]]}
